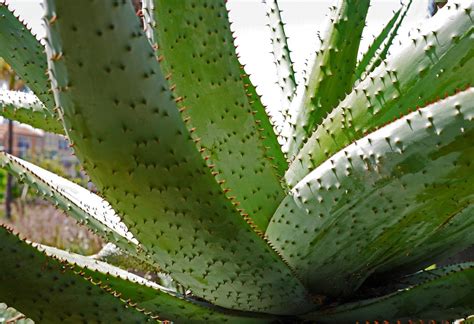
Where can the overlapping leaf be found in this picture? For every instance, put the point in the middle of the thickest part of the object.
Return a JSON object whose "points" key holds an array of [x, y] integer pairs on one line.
{"points": [[197, 54], [26, 108], [32, 282], [78, 202], [25, 54], [437, 61], [439, 295], [378, 50], [136, 148], [390, 200], [331, 74], [148, 296]]}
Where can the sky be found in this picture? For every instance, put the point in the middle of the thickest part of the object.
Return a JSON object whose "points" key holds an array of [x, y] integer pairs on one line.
{"points": [[303, 18]]}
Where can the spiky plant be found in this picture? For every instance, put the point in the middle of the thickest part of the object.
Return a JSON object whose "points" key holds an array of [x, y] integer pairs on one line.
{"points": [[374, 182]]}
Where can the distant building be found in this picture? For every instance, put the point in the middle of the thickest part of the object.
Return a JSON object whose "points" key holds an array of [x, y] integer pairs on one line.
{"points": [[27, 142], [33, 144], [56, 147]]}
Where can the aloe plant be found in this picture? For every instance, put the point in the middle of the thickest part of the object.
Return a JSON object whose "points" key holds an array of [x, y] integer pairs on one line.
{"points": [[333, 218]]}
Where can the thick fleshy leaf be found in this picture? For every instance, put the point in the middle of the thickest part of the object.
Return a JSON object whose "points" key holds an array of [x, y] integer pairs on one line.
{"points": [[265, 127], [27, 108], [378, 50], [49, 265], [376, 45], [25, 54], [436, 62], [197, 53], [94, 211], [33, 282], [332, 73], [148, 296], [282, 58], [112, 254], [444, 294], [454, 235], [78, 202], [388, 200], [127, 131]]}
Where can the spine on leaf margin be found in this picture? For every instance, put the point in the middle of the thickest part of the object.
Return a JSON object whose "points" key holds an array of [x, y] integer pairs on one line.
{"points": [[331, 75], [213, 103], [132, 141], [282, 59], [436, 62]]}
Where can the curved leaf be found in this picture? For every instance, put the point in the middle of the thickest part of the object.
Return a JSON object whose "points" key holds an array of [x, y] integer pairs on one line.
{"points": [[282, 58], [32, 282], [388, 200], [26, 108], [439, 295], [25, 54], [81, 204], [437, 62], [378, 51], [212, 99], [376, 45], [148, 296], [128, 133], [331, 75]]}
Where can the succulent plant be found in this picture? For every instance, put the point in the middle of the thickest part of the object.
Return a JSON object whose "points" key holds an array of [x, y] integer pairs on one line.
{"points": [[330, 211]]}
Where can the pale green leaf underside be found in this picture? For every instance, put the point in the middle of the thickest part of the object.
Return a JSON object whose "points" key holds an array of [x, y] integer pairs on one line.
{"points": [[387, 201], [128, 133], [26, 108]]}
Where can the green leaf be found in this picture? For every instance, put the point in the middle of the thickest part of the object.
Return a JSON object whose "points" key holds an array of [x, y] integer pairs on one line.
{"points": [[212, 99], [444, 294], [265, 127], [331, 76], [449, 238], [25, 54], [388, 200], [378, 50], [436, 62], [49, 291], [113, 255], [129, 135], [26, 108], [282, 58], [376, 45], [79, 203], [148, 296]]}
